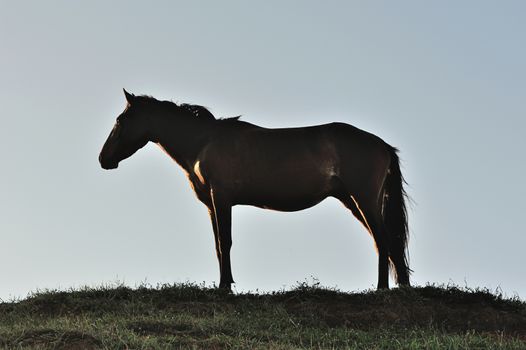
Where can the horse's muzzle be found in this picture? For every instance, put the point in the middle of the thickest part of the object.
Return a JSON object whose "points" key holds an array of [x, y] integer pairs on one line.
{"points": [[107, 165]]}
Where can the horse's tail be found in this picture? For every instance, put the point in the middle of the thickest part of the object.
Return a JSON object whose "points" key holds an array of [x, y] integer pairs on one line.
{"points": [[394, 214]]}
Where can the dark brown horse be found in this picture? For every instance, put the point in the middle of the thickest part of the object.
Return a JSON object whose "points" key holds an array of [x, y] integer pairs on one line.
{"points": [[229, 162]]}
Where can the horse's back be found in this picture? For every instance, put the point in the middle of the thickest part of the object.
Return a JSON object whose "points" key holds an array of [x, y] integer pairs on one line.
{"points": [[264, 147]]}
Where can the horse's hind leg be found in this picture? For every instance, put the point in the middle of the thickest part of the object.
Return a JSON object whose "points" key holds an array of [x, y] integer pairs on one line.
{"points": [[369, 215]]}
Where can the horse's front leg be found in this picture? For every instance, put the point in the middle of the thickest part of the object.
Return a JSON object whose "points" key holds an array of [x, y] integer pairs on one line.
{"points": [[212, 213], [222, 211]]}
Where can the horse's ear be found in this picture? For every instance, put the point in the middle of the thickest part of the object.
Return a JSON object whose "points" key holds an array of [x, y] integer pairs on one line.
{"points": [[129, 97]]}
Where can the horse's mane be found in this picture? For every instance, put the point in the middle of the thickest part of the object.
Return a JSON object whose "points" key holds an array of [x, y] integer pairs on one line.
{"points": [[196, 111]]}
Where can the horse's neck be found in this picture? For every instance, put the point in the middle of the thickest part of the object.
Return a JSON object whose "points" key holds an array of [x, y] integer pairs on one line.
{"points": [[182, 141]]}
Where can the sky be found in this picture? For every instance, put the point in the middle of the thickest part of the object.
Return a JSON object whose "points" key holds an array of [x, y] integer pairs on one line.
{"points": [[444, 81]]}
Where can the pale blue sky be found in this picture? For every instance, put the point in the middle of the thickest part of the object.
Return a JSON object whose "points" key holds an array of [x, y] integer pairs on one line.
{"points": [[444, 81]]}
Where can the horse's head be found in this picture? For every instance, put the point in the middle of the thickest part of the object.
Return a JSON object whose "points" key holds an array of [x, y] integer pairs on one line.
{"points": [[129, 134]]}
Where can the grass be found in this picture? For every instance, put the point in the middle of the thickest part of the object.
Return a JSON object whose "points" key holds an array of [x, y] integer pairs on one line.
{"points": [[308, 316]]}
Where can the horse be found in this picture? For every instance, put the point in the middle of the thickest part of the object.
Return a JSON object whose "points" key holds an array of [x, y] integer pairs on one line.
{"points": [[232, 162]]}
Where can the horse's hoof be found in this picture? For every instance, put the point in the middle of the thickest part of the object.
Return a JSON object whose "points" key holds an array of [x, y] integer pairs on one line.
{"points": [[225, 287]]}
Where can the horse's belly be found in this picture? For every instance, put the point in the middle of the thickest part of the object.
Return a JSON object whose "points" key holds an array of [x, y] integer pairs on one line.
{"points": [[282, 197], [284, 204]]}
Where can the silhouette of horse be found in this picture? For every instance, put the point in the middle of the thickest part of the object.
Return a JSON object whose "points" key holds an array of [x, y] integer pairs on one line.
{"points": [[230, 162]]}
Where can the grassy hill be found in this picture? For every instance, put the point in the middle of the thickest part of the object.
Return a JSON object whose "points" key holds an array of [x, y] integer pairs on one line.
{"points": [[191, 316]]}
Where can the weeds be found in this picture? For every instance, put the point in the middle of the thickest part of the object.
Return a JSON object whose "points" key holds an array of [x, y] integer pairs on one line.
{"points": [[308, 316]]}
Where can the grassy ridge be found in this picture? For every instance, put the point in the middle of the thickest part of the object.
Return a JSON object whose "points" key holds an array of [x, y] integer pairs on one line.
{"points": [[191, 316]]}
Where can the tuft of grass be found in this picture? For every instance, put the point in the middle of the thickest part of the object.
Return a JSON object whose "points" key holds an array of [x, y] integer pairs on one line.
{"points": [[307, 316]]}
